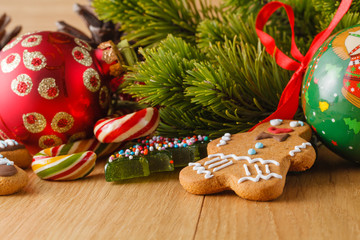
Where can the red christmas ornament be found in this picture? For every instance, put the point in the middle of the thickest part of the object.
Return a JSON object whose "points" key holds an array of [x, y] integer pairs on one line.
{"points": [[51, 89]]}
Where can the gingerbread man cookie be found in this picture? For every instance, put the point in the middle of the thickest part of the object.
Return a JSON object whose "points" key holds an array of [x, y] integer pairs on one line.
{"points": [[253, 164]]}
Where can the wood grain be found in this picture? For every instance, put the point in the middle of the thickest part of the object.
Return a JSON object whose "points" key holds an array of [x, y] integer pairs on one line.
{"points": [[322, 203], [153, 208]]}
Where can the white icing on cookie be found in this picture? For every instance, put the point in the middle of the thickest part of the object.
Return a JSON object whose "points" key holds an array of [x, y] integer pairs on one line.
{"points": [[250, 160], [224, 139], [267, 168], [214, 163], [211, 161], [5, 161], [8, 142], [260, 176], [276, 122], [247, 172], [220, 161], [298, 148], [201, 170]]}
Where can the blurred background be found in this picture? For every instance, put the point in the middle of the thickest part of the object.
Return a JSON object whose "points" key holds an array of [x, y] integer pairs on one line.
{"points": [[35, 15]]}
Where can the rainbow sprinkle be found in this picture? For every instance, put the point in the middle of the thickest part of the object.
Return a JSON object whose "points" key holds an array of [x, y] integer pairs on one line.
{"points": [[150, 144]]}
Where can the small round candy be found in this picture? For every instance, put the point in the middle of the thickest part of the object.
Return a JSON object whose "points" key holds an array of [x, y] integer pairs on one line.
{"points": [[259, 145], [251, 151]]}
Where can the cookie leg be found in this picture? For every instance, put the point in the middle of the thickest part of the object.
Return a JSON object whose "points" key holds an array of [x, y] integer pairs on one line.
{"points": [[262, 182]]}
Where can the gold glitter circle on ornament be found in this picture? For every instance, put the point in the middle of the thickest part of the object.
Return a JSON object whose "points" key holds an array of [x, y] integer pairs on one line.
{"points": [[104, 97], [22, 85], [34, 60], [10, 62], [77, 136], [62, 122], [34, 122], [31, 41], [82, 44], [11, 44], [48, 89], [82, 56], [91, 80], [48, 141]]}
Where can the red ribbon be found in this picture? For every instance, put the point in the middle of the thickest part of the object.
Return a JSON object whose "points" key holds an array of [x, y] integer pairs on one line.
{"points": [[289, 100]]}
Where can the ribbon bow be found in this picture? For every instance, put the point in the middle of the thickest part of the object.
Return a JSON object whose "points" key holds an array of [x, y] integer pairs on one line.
{"points": [[289, 100]]}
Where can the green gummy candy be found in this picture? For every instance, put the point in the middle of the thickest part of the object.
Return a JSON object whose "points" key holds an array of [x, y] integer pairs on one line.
{"points": [[155, 161], [200, 150], [139, 166], [160, 161], [125, 168], [183, 156]]}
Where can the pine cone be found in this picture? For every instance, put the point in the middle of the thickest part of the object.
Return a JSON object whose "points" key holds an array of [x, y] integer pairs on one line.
{"points": [[100, 31], [4, 36]]}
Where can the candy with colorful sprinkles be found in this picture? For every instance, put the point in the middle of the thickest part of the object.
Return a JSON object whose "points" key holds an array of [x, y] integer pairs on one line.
{"points": [[154, 154]]}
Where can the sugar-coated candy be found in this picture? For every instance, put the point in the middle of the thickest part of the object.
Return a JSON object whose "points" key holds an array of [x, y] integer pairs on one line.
{"points": [[155, 154], [138, 166]]}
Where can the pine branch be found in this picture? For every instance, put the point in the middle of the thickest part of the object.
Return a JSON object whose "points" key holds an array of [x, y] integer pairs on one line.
{"points": [[231, 25], [245, 7], [228, 90], [241, 79], [162, 74], [149, 21]]}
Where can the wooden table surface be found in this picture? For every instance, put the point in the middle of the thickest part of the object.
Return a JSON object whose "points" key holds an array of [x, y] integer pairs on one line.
{"points": [[322, 203]]}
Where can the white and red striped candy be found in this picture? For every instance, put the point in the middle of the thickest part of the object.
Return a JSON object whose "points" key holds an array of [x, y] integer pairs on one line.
{"points": [[127, 127]]}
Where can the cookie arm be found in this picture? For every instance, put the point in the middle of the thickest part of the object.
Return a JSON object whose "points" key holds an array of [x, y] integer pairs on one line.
{"points": [[302, 157]]}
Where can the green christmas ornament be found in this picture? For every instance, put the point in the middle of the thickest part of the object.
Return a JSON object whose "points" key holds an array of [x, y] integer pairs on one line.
{"points": [[331, 93]]}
